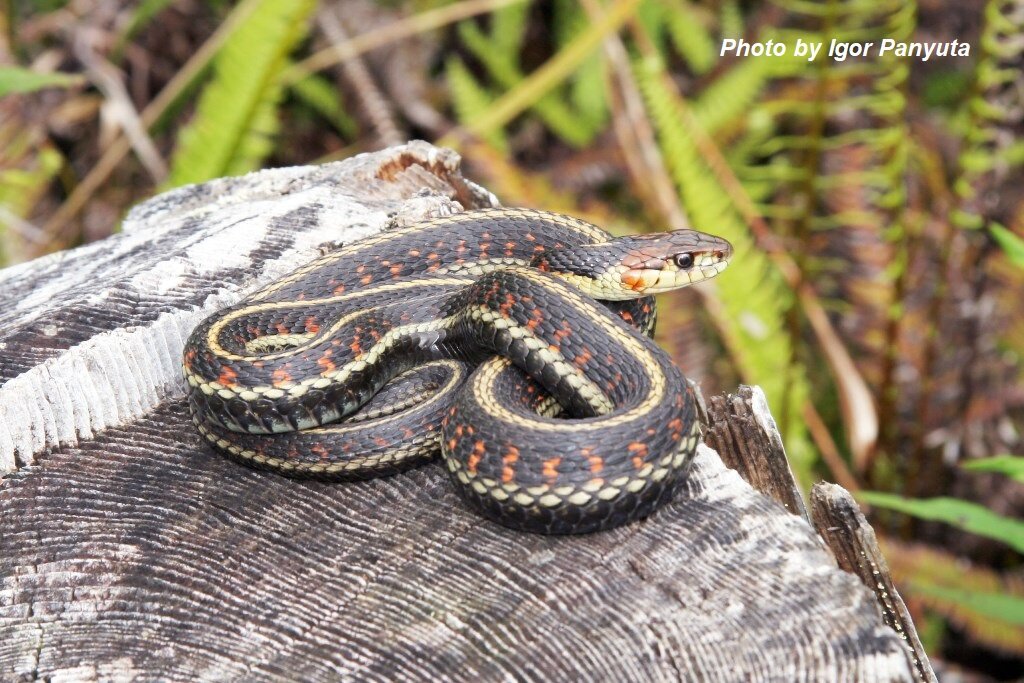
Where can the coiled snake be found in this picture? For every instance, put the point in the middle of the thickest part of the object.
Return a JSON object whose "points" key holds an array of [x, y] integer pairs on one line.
{"points": [[361, 363]]}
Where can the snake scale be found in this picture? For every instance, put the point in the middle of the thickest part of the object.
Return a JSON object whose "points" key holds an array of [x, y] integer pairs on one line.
{"points": [[480, 335]]}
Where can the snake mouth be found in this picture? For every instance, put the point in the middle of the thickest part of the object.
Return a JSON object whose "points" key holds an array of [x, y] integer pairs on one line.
{"points": [[654, 280]]}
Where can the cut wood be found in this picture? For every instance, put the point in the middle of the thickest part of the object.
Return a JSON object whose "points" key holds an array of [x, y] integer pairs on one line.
{"points": [[129, 550]]}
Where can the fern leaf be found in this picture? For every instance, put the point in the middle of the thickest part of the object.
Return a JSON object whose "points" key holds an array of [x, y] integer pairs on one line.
{"points": [[688, 34], [982, 602], [651, 15], [470, 99], [237, 112], [731, 95], [321, 96], [587, 90], [503, 68], [730, 17], [508, 26]]}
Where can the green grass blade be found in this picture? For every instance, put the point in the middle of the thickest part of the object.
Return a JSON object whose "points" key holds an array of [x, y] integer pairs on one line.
{"points": [[962, 514], [999, 606], [1012, 245], [1010, 465], [15, 79]]}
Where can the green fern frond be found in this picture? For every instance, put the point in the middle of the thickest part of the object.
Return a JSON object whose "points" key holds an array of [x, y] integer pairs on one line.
{"points": [[503, 67], [508, 27], [755, 303], [320, 95], [832, 177], [986, 604], [587, 88], [731, 95], [687, 30], [470, 99], [989, 137], [651, 17], [730, 18], [237, 112]]}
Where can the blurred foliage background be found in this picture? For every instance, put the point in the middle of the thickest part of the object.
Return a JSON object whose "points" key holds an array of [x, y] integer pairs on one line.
{"points": [[876, 204]]}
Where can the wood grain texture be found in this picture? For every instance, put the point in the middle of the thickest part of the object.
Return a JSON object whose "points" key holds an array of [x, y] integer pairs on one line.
{"points": [[741, 428], [838, 519], [92, 337], [129, 551]]}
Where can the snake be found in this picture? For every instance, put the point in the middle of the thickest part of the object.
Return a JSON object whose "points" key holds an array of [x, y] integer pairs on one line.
{"points": [[514, 342]]}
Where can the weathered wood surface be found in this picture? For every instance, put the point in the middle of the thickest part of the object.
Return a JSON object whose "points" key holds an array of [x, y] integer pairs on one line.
{"points": [[742, 430], [129, 551], [838, 519]]}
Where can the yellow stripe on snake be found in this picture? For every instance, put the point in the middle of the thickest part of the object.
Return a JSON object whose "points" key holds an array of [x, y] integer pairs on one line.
{"points": [[479, 335]]}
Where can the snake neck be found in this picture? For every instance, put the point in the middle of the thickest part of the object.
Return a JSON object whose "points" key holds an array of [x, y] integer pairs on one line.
{"points": [[590, 268]]}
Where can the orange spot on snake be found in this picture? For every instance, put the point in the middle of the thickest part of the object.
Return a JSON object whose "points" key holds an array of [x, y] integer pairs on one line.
{"points": [[325, 362], [639, 451], [474, 457], [279, 377], [311, 325], [227, 376], [508, 472], [632, 280], [506, 307], [550, 469]]}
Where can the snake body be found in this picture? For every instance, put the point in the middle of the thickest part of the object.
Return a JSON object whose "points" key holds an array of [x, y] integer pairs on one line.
{"points": [[361, 363]]}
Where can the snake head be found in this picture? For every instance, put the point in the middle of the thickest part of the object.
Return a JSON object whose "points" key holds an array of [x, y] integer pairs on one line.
{"points": [[639, 265], [651, 264]]}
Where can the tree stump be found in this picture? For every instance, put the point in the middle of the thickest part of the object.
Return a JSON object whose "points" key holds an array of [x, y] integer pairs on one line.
{"points": [[130, 551]]}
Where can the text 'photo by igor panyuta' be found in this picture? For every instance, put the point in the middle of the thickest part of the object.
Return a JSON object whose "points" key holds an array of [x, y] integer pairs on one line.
{"points": [[512, 340]]}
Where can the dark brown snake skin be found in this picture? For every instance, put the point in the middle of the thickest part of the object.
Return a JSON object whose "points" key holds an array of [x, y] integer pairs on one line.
{"points": [[361, 363]]}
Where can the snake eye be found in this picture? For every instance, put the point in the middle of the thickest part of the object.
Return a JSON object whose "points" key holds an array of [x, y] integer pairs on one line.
{"points": [[684, 261]]}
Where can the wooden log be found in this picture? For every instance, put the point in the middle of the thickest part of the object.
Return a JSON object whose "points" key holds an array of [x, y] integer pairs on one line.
{"points": [[742, 430], [838, 519], [129, 550]]}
